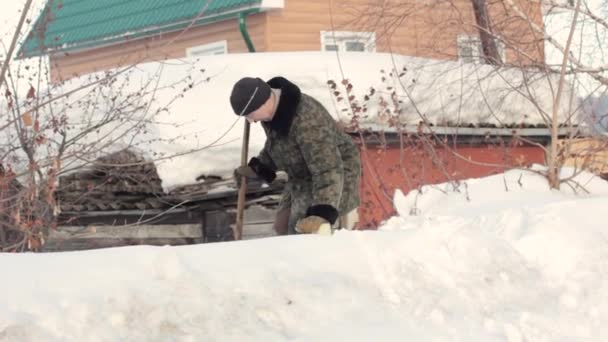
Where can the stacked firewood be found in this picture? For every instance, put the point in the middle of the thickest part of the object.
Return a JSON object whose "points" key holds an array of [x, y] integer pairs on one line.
{"points": [[118, 181]]}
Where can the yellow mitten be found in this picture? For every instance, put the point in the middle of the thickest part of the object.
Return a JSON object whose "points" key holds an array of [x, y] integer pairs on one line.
{"points": [[313, 225]]}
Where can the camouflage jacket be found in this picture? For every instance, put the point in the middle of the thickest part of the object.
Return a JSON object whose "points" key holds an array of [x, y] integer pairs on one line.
{"points": [[321, 161]]}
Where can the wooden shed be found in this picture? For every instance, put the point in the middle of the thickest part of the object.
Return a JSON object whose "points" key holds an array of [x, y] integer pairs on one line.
{"points": [[109, 205], [392, 161]]}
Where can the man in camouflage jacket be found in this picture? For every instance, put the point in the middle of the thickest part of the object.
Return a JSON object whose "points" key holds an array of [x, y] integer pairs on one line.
{"points": [[321, 161]]}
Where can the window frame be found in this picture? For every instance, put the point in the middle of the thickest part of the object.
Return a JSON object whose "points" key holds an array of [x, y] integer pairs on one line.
{"points": [[210, 47], [341, 38]]}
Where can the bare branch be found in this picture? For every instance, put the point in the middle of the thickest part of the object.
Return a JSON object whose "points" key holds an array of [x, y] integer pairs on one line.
{"points": [[11, 49]]}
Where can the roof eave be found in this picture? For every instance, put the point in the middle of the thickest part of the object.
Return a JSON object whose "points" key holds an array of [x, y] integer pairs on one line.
{"points": [[473, 131]]}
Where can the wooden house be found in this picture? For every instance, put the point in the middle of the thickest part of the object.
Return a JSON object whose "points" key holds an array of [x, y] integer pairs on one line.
{"points": [[89, 35]]}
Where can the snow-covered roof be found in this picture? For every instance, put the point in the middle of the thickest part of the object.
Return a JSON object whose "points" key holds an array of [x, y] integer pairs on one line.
{"points": [[187, 100]]}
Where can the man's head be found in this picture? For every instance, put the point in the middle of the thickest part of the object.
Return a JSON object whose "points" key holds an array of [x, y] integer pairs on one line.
{"points": [[252, 98]]}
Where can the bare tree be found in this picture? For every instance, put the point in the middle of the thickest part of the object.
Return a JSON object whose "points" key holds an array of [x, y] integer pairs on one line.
{"points": [[488, 43], [505, 41], [51, 129]]}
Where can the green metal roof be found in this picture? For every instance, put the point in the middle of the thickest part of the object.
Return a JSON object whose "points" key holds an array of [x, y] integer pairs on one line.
{"points": [[78, 24]]}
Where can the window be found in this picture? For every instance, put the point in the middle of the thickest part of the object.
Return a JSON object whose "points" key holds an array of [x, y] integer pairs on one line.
{"points": [[216, 48], [471, 51], [348, 41], [331, 47]]}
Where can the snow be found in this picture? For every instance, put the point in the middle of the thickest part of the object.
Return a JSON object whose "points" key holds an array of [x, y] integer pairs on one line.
{"points": [[10, 13], [523, 264], [588, 44]]}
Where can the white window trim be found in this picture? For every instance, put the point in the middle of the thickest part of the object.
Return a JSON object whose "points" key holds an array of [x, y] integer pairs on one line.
{"points": [[477, 48], [208, 49], [340, 38], [272, 4]]}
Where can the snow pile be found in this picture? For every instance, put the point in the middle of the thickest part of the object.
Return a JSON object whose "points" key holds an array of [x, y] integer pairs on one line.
{"points": [[527, 264]]}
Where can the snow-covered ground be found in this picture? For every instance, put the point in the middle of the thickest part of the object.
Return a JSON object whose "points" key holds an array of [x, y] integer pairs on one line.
{"points": [[502, 259]]}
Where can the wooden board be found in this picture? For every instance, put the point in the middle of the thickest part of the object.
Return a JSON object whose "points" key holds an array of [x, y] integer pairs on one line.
{"points": [[162, 231]]}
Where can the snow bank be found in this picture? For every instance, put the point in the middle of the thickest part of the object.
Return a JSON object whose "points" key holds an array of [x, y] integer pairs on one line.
{"points": [[528, 264]]}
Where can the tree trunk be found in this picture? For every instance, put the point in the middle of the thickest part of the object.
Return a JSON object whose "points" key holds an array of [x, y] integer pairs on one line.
{"points": [[488, 43], [555, 161]]}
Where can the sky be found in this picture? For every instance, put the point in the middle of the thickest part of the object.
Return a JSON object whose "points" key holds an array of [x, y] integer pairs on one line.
{"points": [[588, 44], [10, 12]]}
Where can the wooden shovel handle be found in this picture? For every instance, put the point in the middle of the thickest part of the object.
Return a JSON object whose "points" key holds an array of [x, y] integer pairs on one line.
{"points": [[240, 207]]}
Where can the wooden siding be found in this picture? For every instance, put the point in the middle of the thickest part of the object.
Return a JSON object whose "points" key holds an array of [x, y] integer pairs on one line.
{"points": [[298, 26], [405, 27], [414, 28], [159, 47], [590, 154]]}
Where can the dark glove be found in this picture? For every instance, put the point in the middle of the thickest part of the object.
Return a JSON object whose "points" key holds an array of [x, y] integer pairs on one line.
{"points": [[262, 171], [254, 170]]}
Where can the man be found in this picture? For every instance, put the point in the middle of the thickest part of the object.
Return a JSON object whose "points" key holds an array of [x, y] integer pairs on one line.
{"points": [[302, 139]]}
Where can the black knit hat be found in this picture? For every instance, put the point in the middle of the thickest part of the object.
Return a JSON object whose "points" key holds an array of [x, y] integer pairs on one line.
{"points": [[249, 94]]}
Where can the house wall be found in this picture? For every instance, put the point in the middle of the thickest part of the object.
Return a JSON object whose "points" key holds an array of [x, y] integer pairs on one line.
{"points": [[443, 21], [409, 27], [590, 154], [386, 169], [159, 47]]}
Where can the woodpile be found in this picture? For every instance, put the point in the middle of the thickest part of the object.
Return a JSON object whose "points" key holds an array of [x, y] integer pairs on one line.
{"points": [[119, 181]]}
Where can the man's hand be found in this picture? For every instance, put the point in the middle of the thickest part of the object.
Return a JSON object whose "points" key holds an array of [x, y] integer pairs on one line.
{"points": [[313, 225], [245, 171]]}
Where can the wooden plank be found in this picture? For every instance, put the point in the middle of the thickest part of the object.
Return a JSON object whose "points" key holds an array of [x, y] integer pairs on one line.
{"points": [[259, 215], [257, 231], [164, 231], [258, 224], [125, 217], [85, 244], [218, 226], [587, 153], [124, 212]]}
